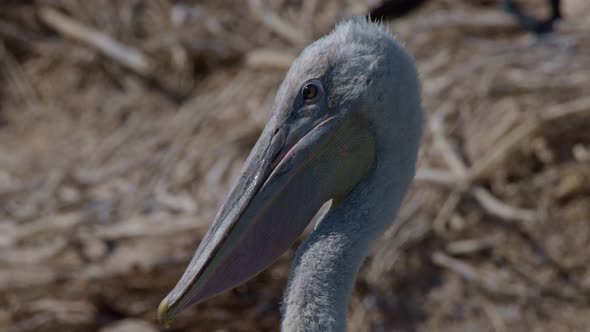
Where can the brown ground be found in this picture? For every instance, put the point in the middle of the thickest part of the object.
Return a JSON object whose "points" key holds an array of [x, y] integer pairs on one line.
{"points": [[111, 168]]}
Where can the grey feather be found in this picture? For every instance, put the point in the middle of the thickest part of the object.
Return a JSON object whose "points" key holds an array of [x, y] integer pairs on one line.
{"points": [[365, 68]]}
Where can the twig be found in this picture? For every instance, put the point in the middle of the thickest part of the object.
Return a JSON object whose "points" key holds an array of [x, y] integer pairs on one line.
{"points": [[275, 23], [265, 58], [56, 223], [70, 312], [494, 317], [500, 209], [149, 227], [437, 176], [570, 108], [36, 255], [472, 21], [439, 86], [505, 146], [520, 133], [464, 175], [307, 16], [462, 247], [488, 281], [128, 56], [484, 197], [444, 146], [446, 211], [19, 79]]}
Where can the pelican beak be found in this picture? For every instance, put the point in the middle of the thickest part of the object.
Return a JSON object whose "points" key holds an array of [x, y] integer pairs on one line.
{"points": [[289, 174]]}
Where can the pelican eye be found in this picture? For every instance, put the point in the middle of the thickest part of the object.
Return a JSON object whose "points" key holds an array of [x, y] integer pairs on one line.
{"points": [[310, 91]]}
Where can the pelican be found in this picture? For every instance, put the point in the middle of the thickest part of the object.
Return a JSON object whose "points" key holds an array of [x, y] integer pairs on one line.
{"points": [[345, 127]]}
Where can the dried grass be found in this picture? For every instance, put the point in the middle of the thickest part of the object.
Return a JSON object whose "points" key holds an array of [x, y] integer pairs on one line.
{"points": [[122, 125]]}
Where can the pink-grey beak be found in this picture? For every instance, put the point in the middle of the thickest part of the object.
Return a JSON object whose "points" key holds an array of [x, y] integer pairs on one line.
{"points": [[289, 174]]}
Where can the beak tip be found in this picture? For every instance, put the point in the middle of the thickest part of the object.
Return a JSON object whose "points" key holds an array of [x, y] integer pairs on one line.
{"points": [[163, 313]]}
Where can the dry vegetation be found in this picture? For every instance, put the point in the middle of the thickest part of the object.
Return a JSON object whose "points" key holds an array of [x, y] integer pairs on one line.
{"points": [[122, 124]]}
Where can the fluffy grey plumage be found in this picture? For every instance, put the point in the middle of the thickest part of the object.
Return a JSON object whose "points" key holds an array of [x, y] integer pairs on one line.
{"points": [[345, 126], [367, 71]]}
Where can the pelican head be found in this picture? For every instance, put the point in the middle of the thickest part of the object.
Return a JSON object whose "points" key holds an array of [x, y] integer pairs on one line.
{"points": [[345, 127]]}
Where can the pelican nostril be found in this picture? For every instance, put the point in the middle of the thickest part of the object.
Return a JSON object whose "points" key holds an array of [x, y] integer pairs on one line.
{"points": [[277, 145]]}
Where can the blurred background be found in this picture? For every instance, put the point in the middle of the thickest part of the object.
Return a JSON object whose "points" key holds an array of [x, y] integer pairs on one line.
{"points": [[123, 124]]}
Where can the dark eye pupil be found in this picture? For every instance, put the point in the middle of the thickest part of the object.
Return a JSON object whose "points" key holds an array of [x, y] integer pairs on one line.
{"points": [[310, 91]]}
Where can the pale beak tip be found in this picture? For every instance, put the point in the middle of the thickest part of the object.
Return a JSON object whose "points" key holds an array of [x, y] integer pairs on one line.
{"points": [[163, 313]]}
